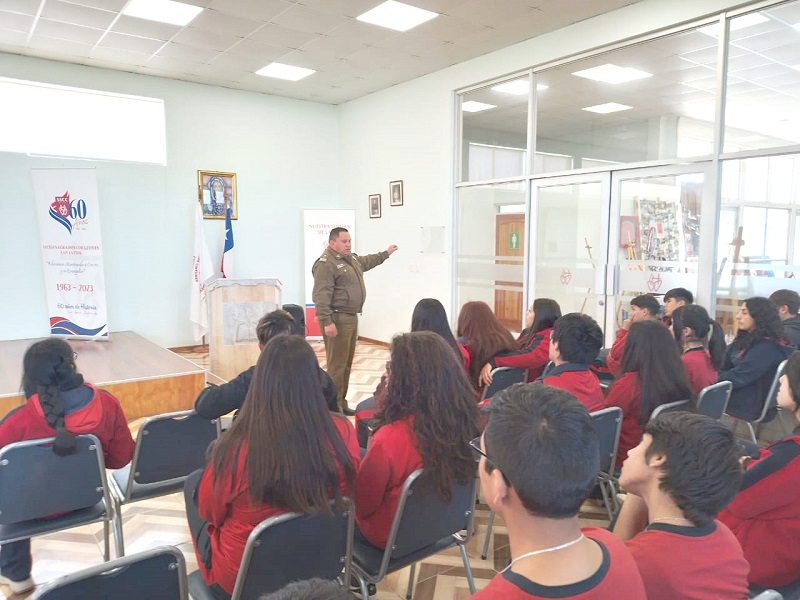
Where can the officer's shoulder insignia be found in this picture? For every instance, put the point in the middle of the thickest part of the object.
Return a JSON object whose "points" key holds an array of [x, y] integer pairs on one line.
{"points": [[323, 258]]}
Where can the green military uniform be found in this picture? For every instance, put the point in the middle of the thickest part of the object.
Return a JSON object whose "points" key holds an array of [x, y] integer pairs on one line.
{"points": [[338, 297]]}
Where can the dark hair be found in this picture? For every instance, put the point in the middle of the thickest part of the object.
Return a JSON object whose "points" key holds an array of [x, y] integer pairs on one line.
{"points": [[679, 294], [696, 318], [334, 235], [648, 302], [792, 372], [579, 338], [545, 313], [429, 315], [294, 450], [788, 298], [427, 382], [544, 442], [277, 322], [651, 354], [48, 368], [767, 322], [485, 335], [311, 589], [702, 472]]}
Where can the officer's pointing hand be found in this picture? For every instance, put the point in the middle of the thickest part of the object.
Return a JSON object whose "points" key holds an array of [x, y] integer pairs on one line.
{"points": [[391, 249]]}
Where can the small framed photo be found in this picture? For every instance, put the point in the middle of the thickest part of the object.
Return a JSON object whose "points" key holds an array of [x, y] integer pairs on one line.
{"points": [[395, 193], [375, 206], [216, 192]]}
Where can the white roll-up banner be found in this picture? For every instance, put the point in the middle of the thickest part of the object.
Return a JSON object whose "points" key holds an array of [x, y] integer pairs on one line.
{"points": [[68, 212]]}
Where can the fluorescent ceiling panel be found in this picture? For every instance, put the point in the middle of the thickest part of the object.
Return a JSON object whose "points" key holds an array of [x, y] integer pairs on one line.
{"points": [[288, 72], [473, 106], [736, 24], [608, 107], [397, 16], [613, 74], [163, 11]]}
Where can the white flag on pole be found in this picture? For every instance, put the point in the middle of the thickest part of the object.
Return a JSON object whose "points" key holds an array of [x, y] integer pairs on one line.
{"points": [[202, 271]]}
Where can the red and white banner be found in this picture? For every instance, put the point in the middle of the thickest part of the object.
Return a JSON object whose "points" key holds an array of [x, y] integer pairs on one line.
{"points": [[202, 271], [68, 212]]}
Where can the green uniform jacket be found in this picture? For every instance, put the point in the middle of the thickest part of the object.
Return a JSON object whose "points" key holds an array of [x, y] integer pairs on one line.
{"points": [[339, 283]]}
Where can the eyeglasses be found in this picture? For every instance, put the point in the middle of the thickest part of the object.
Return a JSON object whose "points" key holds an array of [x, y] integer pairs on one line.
{"points": [[74, 355], [477, 452]]}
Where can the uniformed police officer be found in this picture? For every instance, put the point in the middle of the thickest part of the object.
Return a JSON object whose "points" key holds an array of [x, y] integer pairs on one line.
{"points": [[338, 297]]}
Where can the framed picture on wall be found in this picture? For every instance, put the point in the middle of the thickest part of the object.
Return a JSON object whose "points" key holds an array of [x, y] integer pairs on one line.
{"points": [[216, 192], [375, 206], [395, 193]]}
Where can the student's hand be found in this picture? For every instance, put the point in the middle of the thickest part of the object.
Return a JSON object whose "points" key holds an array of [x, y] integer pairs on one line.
{"points": [[330, 330], [485, 376], [626, 324], [391, 249]]}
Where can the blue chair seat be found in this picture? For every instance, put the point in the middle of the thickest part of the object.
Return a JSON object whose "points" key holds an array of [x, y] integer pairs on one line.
{"points": [[369, 557], [142, 491], [34, 527], [198, 588]]}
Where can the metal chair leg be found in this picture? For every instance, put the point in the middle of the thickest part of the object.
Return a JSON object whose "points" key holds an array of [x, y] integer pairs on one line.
{"points": [[752, 432], [106, 545], [489, 525], [606, 500], [119, 540], [411, 581], [364, 588], [467, 568]]}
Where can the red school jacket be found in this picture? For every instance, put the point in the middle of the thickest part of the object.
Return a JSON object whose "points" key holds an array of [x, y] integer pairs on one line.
{"points": [[578, 380], [533, 357]]}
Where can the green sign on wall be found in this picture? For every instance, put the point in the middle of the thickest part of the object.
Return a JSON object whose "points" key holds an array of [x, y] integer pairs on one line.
{"points": [[513, 240]]}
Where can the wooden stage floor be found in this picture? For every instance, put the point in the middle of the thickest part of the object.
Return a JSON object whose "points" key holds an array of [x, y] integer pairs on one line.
{"points": [[146, 378]]}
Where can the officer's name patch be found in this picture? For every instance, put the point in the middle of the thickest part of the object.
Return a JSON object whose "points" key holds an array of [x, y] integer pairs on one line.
{"points": [[339, 266]]}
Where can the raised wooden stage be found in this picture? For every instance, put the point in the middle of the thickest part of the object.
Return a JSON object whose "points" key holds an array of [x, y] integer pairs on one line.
{"points": [[146, 378]]}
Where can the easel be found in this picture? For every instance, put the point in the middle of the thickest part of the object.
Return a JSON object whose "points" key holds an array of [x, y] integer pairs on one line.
{"points": [[589, 252], [733, 300]]}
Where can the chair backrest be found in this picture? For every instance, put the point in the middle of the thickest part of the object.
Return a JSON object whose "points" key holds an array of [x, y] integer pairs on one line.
{"points": [[670, 407], [35, 482], [159, 573], [170, 446], [294, 547], [503, 377], [771, 401], [422, 518], [767, 595], [713, 399], [608, 425]]}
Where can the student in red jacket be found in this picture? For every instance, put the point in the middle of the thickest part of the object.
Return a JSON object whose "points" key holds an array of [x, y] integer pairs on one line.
{"points": [[426, 421], [684, 471], [59, 403], [534, 343], [285, 452], [483, 335], [702, 343], [644, 307], [765, 514], [575, 341], [652, 374]]}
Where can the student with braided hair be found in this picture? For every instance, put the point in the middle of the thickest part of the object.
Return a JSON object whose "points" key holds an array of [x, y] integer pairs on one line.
{"points": [[59, 403]]}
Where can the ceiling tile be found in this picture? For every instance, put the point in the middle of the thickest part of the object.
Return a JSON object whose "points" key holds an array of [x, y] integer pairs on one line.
{"points": [[406, 45], [347, 8], [300, 18], [112, 5], [67, 31], [145, 28], [78, 15], [171, 64], [75, 49], [130, 43], [10, 41], [257, 10], [446, 28], [225, 24], [190, 53], [15, 21], [25, 7], [243, 63], [364, 32], [118, 55], [256, 50], [198, 38], [274, 35]]}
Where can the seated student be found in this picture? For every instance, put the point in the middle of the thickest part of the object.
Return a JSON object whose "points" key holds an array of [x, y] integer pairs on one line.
{"points": [[684, 471], [702, 343], [538, 462], [788, 304], [753, 357], [675, 298], [651, 375], [765, 514], [425, 421], [642, 308], [483, 335], [215, 401], [59, 403], [533, 343], [285, 452], [575, 341]]}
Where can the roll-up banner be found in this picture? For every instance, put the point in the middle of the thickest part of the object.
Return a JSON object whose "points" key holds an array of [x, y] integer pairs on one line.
{"points": [[317, 225], [69, 230]]}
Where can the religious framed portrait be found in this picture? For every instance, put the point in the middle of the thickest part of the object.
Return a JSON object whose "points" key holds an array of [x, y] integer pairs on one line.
{"points": [[395, 193], [216, 192], [375, 206]]}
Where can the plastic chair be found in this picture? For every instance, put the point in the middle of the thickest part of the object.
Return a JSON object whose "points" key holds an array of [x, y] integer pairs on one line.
{"points": [[769, 410], [670, 407], [36, 483], [789, 591], [289, 547], [503, 377], [423, 525], [157, 574], [767, 595], [713, 399], [168, 448]]}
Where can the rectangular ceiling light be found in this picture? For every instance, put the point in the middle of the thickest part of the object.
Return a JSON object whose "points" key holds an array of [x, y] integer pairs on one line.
{"points": [[608, 107], [397, 16], [609, 73], [163, 11], [281, 71], [518, 87], [472, 106], [736, 24]]}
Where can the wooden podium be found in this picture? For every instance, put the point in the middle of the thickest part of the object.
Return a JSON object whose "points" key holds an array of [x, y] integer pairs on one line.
{"points": [[234, 309]]}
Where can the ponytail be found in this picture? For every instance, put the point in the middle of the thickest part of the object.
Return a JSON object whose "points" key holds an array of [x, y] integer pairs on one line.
{"points": [[716, 344]]}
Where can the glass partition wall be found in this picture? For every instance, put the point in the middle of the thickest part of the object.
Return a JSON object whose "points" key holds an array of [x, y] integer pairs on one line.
{"points": [[636, 170]]}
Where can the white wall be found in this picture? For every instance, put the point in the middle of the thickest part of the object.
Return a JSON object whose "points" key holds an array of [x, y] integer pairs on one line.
{"points": [[407, 132], [285, 154]]}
